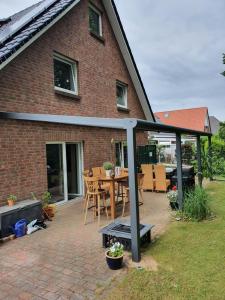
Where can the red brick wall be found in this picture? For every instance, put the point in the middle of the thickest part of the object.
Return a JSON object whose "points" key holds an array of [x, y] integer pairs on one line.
{"points": [[26, 84], [23, 153]]}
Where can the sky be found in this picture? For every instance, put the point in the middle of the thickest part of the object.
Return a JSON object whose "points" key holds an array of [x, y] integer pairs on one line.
{"points": [[177, 46]]}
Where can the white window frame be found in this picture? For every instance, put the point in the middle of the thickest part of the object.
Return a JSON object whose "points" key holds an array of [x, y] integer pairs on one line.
{"points": [[73, 66], [100, 19], [124, 86]]}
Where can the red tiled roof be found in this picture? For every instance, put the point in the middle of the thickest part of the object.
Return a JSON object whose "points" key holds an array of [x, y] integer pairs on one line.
{"points": [[193, 118]]}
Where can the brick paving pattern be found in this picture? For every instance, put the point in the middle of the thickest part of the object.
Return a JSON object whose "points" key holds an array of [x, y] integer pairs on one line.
{"points": [[66, 260]]}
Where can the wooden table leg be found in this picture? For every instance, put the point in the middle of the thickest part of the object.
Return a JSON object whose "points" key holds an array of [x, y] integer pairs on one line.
{"points": [[112, 199]]}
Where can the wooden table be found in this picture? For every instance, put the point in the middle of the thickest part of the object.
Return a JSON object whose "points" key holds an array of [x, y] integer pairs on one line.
{"points": [[112, 181]]}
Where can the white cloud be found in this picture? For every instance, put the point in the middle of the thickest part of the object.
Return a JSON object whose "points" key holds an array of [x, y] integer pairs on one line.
{"points": [[178, 48]]}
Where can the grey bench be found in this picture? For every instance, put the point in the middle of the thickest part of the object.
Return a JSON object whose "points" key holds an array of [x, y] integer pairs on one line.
{"points": [[120, 231]]}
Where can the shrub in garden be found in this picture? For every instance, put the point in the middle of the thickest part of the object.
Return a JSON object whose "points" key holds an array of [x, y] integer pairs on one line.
{"points": [[196, 204]]}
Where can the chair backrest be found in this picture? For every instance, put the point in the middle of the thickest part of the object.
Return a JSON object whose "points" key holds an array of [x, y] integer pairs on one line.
{"points": [[160, 173], [96, 171], [140, 178], [85, 172], [124, 171], [92, 184], [147, 170], [102, 171]]}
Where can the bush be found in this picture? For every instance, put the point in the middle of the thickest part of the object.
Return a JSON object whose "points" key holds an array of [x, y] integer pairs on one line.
{"points": [[196, 204]]}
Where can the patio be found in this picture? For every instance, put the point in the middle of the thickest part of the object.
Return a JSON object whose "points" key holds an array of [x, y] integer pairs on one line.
{"points": [[66, 261]]}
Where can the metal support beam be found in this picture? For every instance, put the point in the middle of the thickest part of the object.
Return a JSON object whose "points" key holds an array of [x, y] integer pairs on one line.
{"points": [[199, 160], [179, 170], [133, 192], [210, 157]]}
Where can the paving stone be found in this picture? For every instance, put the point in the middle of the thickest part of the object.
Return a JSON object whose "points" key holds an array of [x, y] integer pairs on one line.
{"points": [[65, 261]]}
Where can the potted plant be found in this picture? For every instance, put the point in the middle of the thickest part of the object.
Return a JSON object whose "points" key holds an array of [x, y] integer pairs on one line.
{"points": [[11, 199], [114, 256], [48, 208], [173, 196], [108, 166]]}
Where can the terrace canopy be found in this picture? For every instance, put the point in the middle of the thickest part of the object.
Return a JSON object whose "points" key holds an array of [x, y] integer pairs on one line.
{"points": [[131, 126]]}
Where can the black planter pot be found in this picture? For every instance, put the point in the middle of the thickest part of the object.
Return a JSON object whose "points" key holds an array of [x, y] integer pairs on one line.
{"points": [[114, 263]]}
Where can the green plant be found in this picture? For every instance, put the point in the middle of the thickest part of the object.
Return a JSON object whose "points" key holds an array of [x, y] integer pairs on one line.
{"points": [[46, 197], [107, 165], [12, 198], [116, 250], [196, 204]]}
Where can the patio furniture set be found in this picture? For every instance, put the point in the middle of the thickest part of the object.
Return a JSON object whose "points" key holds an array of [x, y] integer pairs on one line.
{"points": [[98, 186]]}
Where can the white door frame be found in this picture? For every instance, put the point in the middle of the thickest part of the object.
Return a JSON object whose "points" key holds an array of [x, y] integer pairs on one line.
{"points": [[121, 145], [80, 168]]}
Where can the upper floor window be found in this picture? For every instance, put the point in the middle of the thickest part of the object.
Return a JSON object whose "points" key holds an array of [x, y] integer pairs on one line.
{"points": [[65, 75], [95, 20], [121, 94]]}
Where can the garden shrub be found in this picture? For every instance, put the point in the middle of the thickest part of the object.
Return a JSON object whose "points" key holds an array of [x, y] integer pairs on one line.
{"points": [[196, 204]]}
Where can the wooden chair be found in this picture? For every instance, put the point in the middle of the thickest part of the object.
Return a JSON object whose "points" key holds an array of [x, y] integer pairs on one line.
{"points": [[94, 195], [140, 178], [121, 185], [161, 183], [96, 171], [148, 180]]}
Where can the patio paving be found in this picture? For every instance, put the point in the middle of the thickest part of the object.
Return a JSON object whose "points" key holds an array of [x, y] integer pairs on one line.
{"points": [[66, 261]]}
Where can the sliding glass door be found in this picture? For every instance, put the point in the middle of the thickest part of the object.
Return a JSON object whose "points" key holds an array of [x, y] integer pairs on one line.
{"points": [[64, 170], [55, 171]]}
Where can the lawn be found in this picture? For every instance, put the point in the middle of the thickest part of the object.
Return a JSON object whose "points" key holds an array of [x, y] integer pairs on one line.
{"points": [[191, 258]]}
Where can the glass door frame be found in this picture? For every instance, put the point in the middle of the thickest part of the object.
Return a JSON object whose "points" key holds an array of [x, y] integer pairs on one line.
{"points": [[80, 166], [121, 148]]}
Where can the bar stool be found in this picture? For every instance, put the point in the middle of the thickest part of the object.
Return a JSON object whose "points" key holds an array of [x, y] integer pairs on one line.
{"points": [[93, 197]]}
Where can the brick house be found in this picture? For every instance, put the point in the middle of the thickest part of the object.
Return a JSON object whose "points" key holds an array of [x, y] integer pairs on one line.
{"points": [[63, 57]]}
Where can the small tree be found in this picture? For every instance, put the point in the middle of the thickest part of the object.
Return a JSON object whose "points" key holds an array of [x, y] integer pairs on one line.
{"points": [[222, 131]]}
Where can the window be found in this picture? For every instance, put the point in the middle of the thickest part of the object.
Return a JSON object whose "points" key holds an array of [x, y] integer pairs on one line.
{"points": [[95, 21], [65, 75], [121, 94]]}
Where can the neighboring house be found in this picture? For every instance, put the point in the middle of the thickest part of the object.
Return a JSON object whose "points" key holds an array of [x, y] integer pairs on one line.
{"points": [[215, 124], [63, 57], [192, 118]]}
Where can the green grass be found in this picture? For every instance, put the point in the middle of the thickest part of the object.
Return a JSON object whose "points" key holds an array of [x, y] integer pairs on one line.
{"points": [[191, 258]]}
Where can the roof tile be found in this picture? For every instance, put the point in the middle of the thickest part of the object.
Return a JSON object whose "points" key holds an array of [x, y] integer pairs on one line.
{"points": [[17, 40], [193, 118]]}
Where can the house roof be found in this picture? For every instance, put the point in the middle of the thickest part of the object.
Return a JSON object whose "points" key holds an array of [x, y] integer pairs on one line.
{"points": [[215, 124], [193, 118], [23, 28]]}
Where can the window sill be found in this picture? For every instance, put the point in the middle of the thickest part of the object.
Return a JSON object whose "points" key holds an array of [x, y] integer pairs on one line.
{"points": [[97, 37], [123, 109], [67, 94]]}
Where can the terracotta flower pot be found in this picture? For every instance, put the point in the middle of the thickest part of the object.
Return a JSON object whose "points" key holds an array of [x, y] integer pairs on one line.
{"points": [[49, 211], [114, 263], [11, 202]]}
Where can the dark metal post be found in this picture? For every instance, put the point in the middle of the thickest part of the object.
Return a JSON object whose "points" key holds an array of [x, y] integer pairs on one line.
{"points": [[179, 170], [133, 192], [199, 160], [210, 157]]}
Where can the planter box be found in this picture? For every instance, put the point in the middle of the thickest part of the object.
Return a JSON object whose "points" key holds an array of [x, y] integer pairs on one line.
{"points": [[9, 215]]}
